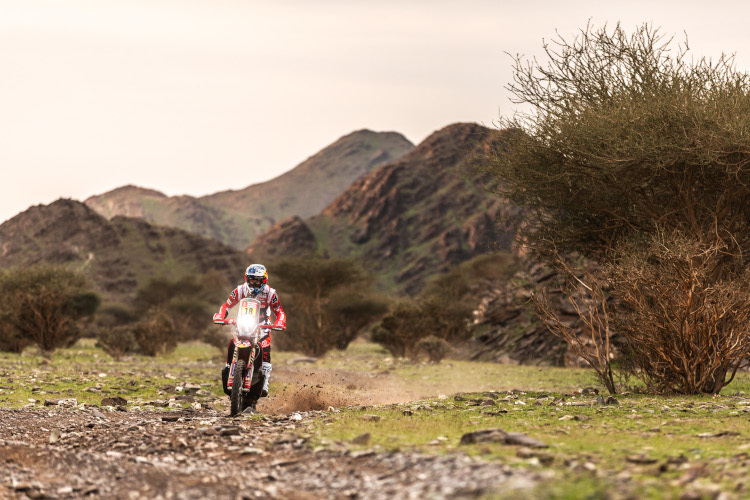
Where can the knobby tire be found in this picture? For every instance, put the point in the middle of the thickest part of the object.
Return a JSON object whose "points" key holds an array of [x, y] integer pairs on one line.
{"points": [[237, 383]]}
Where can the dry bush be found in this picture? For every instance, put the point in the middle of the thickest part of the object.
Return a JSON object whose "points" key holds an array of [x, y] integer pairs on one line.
{"points": [[588, 298], [435, 348], [401, 329], [117, 341], [11, 339], [687, 316], [44, 304], [328, 302], [156, 333]]}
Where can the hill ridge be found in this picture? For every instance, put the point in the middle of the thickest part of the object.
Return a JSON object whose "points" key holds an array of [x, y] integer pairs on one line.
{"points": [[235, 217]]}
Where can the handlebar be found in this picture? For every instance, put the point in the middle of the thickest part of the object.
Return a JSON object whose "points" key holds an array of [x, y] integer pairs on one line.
{"points": [[232, 321]]}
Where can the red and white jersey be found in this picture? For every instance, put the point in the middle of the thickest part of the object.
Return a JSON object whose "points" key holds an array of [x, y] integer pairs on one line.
{"points": [[267, 297]]}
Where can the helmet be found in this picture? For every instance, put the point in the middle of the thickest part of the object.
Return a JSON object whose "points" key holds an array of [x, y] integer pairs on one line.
{"points": [[256, 276]]}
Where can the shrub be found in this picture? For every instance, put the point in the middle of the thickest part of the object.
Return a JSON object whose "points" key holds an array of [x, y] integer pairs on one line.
{"points": [[435, 348], [401, 329], [156, 333], [117, 341], [688, 332], [44, 304], [628, 141], [328, 303]]}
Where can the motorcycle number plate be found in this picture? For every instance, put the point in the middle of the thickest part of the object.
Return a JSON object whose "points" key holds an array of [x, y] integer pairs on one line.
{"points": [[249, 307]]}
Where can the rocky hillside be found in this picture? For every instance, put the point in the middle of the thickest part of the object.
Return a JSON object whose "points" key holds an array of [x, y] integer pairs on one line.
{"points": [[415, 217], [117, 254], [237, 217]]}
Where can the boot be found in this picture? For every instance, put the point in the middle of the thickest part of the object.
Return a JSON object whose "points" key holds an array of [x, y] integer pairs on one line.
{"points": [[265, 369]]}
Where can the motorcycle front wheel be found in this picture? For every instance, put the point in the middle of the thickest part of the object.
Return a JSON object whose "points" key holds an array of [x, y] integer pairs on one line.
{"points": [[238, 381]]}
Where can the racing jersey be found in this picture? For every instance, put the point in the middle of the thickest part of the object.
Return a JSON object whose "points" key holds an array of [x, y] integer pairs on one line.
{"points": [[269, 301]]}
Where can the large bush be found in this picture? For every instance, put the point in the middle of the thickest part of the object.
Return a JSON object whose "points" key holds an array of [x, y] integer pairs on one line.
{"points": [[43, 305], [164, 312], [628, 138], [444, 308], [328, 303]]}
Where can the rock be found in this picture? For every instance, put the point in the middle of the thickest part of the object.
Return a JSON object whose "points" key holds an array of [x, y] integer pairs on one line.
{"points": [[488, 402], [484, 436], [114, 401], [252, 451], [640, 459], [54, 436], [566, 417], [611, 400], [589, 391], [371, 418], [98, 414], [231, 430], [717, 434], [581, 418], [362, 439], [191, 388], [517, 438], [286, 439], [544, 458], [170, 418], [51, 402]]}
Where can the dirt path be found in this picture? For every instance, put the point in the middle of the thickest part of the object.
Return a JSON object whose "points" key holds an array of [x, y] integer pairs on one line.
{"points": [[53, 452], [203, 454], [308, 388]]}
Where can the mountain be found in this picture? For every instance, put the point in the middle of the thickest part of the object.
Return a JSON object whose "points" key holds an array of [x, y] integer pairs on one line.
{"points": [[118, 255], [237, 217], [410, 219]]}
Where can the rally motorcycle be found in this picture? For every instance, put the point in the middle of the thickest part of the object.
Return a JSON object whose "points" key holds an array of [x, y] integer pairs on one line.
{"points": [[243, 382]]}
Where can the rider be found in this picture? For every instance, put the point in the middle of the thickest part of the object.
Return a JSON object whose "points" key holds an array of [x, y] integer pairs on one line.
{"points": [[255, 287]]}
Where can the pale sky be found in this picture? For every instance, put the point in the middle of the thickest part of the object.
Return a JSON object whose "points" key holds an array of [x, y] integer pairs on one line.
{"points": [[198, 96]]}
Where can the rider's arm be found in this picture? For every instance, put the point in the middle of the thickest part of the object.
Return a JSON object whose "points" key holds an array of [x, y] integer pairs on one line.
{"points": [[226, 306], [280, 323]]}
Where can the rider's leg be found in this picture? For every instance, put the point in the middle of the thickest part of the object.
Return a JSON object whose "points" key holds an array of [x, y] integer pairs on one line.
{"points": [[266, 366]]}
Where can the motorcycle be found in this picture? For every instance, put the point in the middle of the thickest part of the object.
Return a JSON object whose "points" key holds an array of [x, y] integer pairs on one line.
{"points": [[243, 382]]}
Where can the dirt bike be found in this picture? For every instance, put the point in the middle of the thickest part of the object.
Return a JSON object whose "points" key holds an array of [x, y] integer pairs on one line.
{"points": [[243, 382]]}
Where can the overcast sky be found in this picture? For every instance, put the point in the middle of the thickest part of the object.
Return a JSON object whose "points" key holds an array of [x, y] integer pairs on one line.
{"points": [[194, 97]]}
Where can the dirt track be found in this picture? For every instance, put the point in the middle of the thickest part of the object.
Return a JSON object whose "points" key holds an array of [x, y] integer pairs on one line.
{"points": [[94, 453], [201, 454]]}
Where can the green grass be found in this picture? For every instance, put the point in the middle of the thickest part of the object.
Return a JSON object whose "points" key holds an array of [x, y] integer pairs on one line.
{"points": [[71, 373], [697, 443], [587, 454]]}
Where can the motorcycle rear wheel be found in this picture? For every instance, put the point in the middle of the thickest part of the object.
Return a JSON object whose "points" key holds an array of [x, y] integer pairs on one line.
{"points": [[238, 381]]}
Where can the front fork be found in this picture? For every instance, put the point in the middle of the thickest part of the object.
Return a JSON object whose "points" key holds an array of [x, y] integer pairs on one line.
{"points": [[250, 368]]}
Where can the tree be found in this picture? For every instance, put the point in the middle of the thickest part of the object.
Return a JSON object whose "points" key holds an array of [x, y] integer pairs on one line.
{"points": [[627, 139], [443, 310], [164, 312], [43, 304], [327, 301]]}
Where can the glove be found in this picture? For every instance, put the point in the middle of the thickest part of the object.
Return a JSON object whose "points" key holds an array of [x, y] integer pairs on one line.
{"points": [[219, 318], [280, 325]]}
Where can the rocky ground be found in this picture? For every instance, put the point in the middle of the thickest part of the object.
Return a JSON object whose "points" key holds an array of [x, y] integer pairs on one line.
{"points": [[183, 454]]}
